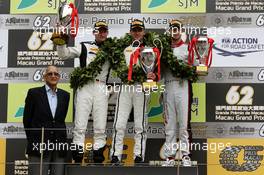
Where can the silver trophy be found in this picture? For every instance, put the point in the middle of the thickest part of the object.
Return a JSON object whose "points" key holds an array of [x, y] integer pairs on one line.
{"points": [[149, 60], [202, 46], [200, 54], [68, 22]]}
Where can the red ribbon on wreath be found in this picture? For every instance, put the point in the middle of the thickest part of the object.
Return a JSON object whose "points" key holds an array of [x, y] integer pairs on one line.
{"points": [[134, 59], [74, 20]]}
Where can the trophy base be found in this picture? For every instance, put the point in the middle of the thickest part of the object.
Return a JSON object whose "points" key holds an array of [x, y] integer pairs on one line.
{"points": [[202, 70], [149, 85], [59, 41]]}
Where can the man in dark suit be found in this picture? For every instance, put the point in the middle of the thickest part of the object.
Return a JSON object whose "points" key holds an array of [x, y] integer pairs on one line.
{"points": [[44, 122]]}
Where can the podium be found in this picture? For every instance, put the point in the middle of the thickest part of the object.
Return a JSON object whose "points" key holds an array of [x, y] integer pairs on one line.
{"points": [[130, 170]]}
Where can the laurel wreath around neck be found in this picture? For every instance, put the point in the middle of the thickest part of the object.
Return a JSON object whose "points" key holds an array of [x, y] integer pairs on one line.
{"points": [[178, 68], [113, 50]]}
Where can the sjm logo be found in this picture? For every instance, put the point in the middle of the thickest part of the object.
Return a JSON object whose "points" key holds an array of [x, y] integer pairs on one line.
{"points": [[51, 3], [156, 3], [26, 3]]}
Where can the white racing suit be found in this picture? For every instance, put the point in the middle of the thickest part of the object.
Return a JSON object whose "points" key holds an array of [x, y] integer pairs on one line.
{"points": [[128, 99], [176, 108], [92, 97]]}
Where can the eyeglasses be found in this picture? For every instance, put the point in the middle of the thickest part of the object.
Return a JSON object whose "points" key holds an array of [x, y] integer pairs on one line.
{"points": [[56, 74]]}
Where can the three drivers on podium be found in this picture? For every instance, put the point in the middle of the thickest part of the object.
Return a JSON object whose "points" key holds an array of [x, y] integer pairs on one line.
{"points": [[46, 107]]}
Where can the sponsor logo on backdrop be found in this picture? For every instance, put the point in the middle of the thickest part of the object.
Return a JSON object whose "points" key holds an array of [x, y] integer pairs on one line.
{"points": [[34, 50], [243, 156], [241, 6], [235, 102], [30, 75], [16, 75], [199, 131], [25, 4], [13, 130], [236, 74], [240, 48], [14, 21], [239, 20], [241, 130], [228, 158], [172, 6], [239, 44], [218, 20], [35, 6], [106, 6], [220, 130], [233, 130], [156, 3], [218, 74]]}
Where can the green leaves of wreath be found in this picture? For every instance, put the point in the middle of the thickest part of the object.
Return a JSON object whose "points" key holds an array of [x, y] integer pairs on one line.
{"points": [[119, 64], [113, 51], [81, 76], [178, 67]]}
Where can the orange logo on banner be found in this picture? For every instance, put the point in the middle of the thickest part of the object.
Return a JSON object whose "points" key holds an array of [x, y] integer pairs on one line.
{"points": [[243, 156]]}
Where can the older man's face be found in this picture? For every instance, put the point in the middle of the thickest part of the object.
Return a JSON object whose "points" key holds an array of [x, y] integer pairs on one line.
{"points": [[52, 76]]}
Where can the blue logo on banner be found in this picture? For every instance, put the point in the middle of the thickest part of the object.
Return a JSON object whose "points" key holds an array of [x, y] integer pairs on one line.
{"points": [[226, 53], [19, 112], [156, 3], [26, 3]]}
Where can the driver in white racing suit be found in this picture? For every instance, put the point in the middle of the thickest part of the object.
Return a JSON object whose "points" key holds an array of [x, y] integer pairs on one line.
{"points": [[128, 99], [92, 97], [176, 103]]}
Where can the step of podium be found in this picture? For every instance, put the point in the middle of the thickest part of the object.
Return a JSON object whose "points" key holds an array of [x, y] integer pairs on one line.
{"points": [[130, 170]]}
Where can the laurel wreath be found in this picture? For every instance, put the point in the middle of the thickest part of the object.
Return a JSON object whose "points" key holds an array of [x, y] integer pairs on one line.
{"points": [[120, 65], [113, 51], [178, 68], [81, 76]]}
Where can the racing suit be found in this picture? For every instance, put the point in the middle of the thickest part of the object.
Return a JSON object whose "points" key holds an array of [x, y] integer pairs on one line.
{"points": [[127, 99], [92, 97], [176, 107]]}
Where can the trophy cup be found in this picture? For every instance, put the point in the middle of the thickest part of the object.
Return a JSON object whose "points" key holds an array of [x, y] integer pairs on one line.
{"points": [[68, 23], [149, 59], [200, 54]]}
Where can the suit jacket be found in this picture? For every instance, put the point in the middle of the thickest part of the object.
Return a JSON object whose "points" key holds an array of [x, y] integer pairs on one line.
{"points": [[37, 114]]}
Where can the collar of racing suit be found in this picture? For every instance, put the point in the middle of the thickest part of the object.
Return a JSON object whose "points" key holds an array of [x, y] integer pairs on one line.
{"points": [[178, 44], [99, 44]]}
